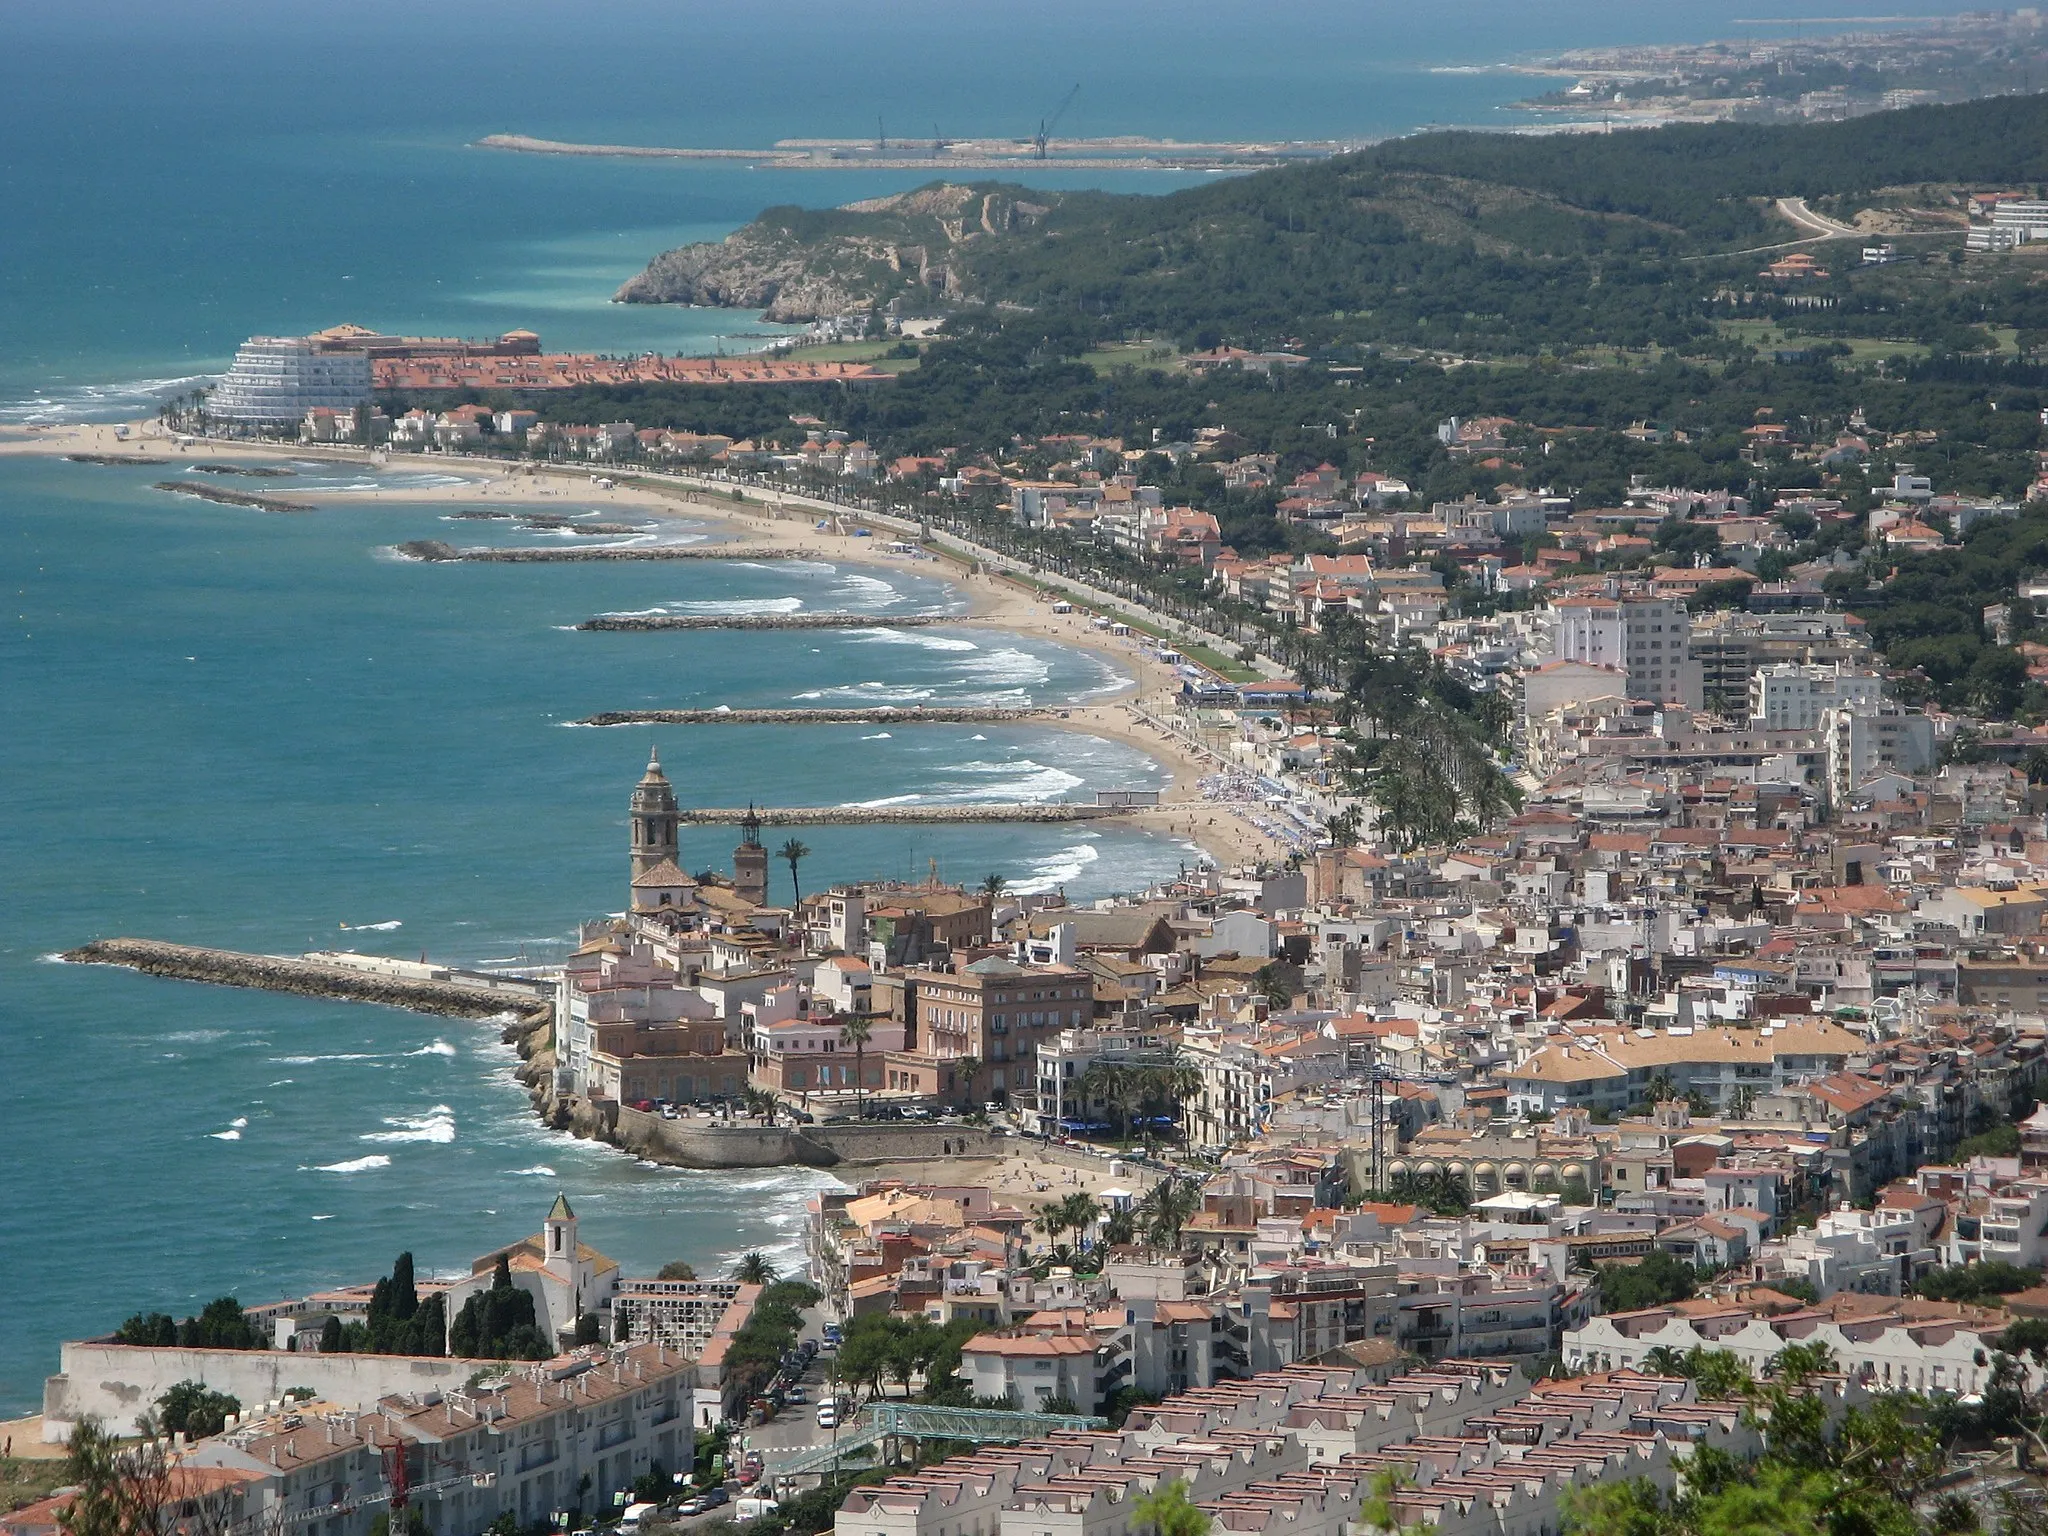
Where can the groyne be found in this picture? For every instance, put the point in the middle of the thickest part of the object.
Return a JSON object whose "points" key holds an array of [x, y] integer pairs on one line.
{"points": [[251, 471], [436, 550], [886, 815], [115, 458], [550, 522], [637, 621], [913, 715], [418, 989], [229, 498]]}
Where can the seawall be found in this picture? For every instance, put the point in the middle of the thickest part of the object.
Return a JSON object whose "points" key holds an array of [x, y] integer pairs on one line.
{"points": [[912, 715], [434, 550], [439, 992], [120, 1382], [692, 1144], [639, 621]]}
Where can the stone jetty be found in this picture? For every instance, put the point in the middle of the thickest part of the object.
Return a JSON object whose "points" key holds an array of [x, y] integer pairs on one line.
{"points": [[886, 815], [435, 550], [420, 989], [881, 715], [635, 621], [229, 498], [113, 458]]}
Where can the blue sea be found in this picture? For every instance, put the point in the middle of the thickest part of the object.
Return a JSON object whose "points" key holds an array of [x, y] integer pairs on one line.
{"points": [[269, 733]]}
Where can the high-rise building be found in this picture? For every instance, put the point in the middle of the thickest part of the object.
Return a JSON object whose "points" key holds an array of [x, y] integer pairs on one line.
{"points": [[1649, 638], [276, 380]]}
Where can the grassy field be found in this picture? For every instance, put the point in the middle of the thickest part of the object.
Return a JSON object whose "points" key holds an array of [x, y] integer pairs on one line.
{"points": [[854, 352], [1862, 349], [1150, 356]]}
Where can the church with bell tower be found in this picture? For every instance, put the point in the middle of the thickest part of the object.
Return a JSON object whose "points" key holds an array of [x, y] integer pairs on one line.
{"points": [[654, 818]]}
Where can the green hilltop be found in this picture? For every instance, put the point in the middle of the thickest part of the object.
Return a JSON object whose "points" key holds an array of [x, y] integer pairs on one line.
{"points": [[1475, 242]]}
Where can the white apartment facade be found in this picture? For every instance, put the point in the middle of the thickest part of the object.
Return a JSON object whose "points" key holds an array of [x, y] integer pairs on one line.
{"points": [[276, 380], [1648, 638], [1791, 697]]}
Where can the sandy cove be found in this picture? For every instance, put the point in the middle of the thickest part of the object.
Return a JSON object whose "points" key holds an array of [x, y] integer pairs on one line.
{"points": [[995, 602]]}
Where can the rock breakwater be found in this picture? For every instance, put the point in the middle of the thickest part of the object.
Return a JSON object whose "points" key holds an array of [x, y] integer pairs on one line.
{"points": [[882, 715], [436, 550], [251, 471], [548, 522], [640, 621], [887, 815], [115, 458], [442, 994], [229, 498]]}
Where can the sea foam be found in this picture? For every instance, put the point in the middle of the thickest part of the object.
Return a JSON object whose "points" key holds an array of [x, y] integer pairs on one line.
{"points": [[353, 1165], [437, 1125]]}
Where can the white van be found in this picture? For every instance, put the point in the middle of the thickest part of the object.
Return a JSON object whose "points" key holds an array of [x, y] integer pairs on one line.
{"points": [[635, 1514], [752, 1506]]}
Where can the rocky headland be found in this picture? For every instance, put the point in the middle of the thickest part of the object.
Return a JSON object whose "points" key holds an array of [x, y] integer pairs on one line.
{"points": [[799, 265]]}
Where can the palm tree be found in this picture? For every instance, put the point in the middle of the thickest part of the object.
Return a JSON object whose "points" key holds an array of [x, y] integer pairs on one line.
{"points": [[1664, 1361], [759, 1101], [1167, 1207], [793, 853], [1081, 1210], [1660, 1087], [856, 1032], [1120, 1228], [965, 1074], [992, 885], [754, 1268], [1052, 1221]]}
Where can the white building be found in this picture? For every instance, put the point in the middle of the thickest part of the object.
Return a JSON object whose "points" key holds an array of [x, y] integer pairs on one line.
{"points": [[1790, 697], [1889, 1357], [1866, 740], [276, 380], [1648, 638]]}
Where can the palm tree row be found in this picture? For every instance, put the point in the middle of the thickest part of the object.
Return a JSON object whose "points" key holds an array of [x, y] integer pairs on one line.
{"points": [[1163, 1086]]}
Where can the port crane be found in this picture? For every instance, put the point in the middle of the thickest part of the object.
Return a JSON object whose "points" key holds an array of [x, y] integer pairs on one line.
{"points": [[1047, 123]]}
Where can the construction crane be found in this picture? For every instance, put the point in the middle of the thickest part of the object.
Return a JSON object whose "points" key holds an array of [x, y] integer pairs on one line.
{"points": [[1048, 123]]}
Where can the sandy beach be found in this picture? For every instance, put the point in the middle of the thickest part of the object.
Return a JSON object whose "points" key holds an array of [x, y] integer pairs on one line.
{"points": [[995, 601], [1034, 1175]]}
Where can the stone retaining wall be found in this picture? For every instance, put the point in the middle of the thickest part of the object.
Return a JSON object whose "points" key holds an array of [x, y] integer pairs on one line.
{"points": [[697, 1144], [119, 1382]]}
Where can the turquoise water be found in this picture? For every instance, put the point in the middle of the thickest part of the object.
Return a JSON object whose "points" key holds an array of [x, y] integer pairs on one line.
{"points": [[248, 730], [257, 731]]}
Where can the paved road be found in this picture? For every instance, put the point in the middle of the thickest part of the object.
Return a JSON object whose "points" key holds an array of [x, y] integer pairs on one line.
{"points": [[1817, 224]]}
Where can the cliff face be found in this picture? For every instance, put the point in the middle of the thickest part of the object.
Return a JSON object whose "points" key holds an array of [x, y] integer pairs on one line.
{"points": [[800, 265]]}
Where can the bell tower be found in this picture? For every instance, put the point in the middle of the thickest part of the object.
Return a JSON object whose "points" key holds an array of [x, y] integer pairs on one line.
{"points": [[654, 819], [750, 862]]}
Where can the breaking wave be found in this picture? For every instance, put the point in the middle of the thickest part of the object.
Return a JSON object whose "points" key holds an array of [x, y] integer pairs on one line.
{"points": [[353, 1165], [97, 402], [436, 1125]]}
